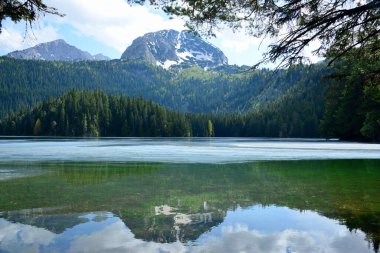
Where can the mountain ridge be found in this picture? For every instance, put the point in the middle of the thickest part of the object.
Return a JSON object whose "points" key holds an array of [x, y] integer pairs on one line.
{"points": [[164, 48], [56, 50]]}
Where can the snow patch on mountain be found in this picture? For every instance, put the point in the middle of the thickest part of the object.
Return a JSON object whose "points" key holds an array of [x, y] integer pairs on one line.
{"points": [[167, 64], [168, 48], [183, 56]]}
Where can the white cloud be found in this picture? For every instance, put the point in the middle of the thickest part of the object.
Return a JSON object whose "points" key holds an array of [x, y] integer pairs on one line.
{"points": [[114, 23], [242, 48], [239, 42], [15, 37], [308, 51], [239, 47], [10, 40]]}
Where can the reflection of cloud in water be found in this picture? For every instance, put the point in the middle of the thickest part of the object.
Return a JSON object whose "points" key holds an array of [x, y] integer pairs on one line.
{"points": [[116, 237], [240, 239], [7, 174], [16, 237]]}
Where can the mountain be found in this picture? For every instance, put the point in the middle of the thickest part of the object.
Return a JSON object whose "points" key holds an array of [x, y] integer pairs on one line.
{"points": [[57, 50], [168, 48], [100, 57]]}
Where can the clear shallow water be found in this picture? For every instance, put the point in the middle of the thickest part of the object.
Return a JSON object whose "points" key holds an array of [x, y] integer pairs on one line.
{"points": [[201, 196], [182, 150]]}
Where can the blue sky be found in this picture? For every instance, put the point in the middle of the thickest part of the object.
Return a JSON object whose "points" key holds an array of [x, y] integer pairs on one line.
{"points": [[109, 27]]}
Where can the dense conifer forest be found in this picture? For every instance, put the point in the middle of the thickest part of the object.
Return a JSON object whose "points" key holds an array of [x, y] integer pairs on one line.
{"points": [[94, 113], [353, 99], [119, 98]]}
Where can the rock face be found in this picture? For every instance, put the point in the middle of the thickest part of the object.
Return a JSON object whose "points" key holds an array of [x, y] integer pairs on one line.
{"points": [[169, 48], [57, 50], [100, 57]]}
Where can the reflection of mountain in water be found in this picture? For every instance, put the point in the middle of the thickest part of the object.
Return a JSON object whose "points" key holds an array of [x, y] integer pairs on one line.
{"points": [[54, 223], [42, 218], [92, 173], [343, 190], [163, 228], [104, 232], [170, 225]]}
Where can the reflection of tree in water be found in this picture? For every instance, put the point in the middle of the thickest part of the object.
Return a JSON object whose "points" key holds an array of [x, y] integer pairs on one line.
{"points": [[93, 173], [369, 223], [343, 190]]}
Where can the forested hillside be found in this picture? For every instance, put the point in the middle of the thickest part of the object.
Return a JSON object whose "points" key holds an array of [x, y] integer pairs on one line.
{"points": [[24, 83]]}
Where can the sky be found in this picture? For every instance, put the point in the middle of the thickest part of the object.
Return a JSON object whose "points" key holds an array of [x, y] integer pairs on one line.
{"points": [[110, 26]]}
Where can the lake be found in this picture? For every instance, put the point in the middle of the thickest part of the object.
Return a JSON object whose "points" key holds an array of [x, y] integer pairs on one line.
{"points": [[188, 195]]}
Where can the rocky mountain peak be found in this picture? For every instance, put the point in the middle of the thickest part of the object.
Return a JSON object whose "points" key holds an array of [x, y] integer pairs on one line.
{"points": [[169, 48], [57, 50]]}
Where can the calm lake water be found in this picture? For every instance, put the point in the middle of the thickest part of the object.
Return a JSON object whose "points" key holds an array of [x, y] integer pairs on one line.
{"points": [[188, 195]]}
